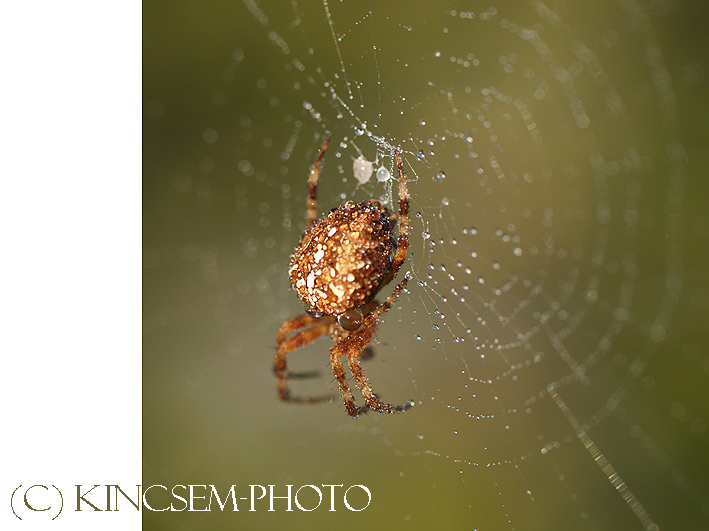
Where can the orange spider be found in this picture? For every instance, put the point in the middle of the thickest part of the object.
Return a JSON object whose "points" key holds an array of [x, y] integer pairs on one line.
{"points": [[338, 268]]}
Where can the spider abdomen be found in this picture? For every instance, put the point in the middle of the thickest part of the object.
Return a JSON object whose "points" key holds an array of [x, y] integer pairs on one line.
{"points": [[342, 261]]}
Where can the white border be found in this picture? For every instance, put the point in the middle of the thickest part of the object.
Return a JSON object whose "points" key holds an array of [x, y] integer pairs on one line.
{"points": [[71, 241]]}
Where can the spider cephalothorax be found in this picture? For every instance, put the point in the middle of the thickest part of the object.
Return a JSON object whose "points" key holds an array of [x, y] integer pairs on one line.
{"points": [[338, 268]]}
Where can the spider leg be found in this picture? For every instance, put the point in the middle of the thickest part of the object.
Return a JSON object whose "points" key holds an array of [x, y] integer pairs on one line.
{"points": [[339, 372], [294, 324], [314, 328], [353, 346], [312, 201], [402, 243]]}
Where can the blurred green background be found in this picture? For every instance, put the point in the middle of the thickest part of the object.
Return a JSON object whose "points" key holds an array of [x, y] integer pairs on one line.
{"points": [[236, 102]]}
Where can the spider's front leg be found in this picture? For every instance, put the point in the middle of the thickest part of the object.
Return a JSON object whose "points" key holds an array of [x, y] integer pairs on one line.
{"points": [[339, 371], [353, 346], [314, 328]]}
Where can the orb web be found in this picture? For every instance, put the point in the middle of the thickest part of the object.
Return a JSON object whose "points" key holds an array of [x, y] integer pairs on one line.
{"points": [[547, 173]]}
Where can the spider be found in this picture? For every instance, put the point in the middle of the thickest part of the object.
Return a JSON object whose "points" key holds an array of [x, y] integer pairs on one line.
{"points": [[340, 265]]}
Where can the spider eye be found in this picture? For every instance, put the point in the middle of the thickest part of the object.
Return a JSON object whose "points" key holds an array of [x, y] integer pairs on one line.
{"points": [[351, 320]]}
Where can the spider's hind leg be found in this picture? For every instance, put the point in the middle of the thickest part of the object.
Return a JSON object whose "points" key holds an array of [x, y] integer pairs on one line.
{"points": [[312, 201]]}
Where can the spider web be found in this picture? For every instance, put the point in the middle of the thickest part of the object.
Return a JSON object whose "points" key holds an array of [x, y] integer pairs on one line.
{"points": [[550, 337]]}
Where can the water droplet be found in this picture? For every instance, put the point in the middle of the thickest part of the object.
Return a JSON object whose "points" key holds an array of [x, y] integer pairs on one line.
{"points": [[383, 174], [426, 235], [441, 175]]}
